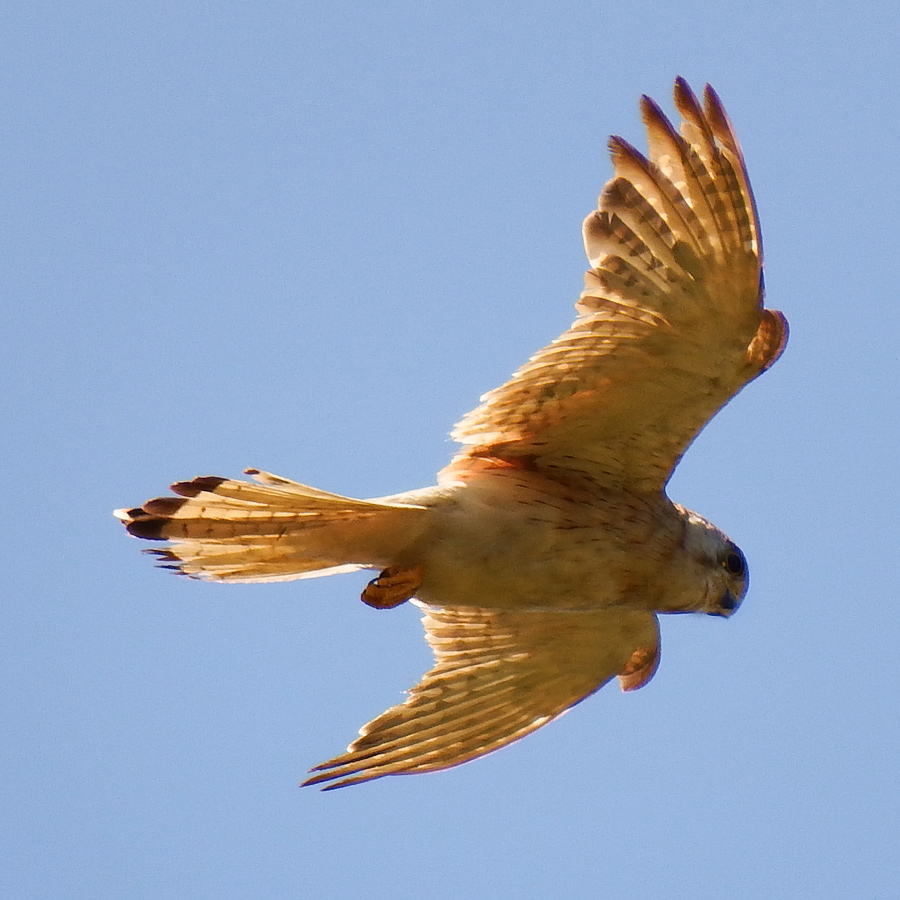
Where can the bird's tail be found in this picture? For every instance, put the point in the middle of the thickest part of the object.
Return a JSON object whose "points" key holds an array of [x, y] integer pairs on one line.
{"points": [[274, 530]]}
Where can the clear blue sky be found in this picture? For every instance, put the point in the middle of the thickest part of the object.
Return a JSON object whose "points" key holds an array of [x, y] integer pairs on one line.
{"points": [[306, 237]]}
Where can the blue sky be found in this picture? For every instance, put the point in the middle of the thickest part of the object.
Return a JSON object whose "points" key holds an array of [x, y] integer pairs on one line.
{"points": [[306, 237]]}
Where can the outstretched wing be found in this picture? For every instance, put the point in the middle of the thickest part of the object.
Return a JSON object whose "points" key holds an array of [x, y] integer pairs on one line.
{"points": [[498, 676], [671, 323]]}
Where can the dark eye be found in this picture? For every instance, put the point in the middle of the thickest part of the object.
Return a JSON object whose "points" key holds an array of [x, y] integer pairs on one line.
{"points": [[734, 563]]}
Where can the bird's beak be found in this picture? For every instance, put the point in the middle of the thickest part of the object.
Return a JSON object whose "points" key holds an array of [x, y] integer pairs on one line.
{"points": [[727, 605]]}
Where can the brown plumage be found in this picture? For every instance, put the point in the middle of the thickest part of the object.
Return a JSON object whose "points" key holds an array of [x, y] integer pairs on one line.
{"points": [[548, 546]]}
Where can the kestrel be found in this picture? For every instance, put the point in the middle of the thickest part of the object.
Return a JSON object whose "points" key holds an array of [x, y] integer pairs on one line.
{"points": [[548, 546]]}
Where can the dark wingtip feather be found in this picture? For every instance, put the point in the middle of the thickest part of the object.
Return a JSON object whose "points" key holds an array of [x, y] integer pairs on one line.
{"points": [[148, 528], [710, 95], [718, 118], [619, 148], [167, 559], [164, 506], [686, 100], [683, 93], [163, 555], [654, 118], [197, 485], [649, 107]]}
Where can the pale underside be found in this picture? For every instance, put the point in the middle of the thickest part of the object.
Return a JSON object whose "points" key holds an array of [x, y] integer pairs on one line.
{"points": [[670, 326]]}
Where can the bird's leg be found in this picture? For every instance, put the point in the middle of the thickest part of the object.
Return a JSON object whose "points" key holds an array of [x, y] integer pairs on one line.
{"points": [[395, 585]]}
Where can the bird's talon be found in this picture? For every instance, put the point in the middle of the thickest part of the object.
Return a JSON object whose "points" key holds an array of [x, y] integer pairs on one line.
{"points": [[395, 585]]}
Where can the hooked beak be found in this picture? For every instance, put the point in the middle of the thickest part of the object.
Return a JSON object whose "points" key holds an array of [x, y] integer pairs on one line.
{"points": [[727, 605]]}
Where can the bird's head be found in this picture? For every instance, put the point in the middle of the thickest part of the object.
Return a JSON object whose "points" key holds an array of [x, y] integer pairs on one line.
{"points": [[721, 567]]}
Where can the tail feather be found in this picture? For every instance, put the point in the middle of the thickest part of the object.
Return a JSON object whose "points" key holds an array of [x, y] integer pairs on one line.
{"points": [[274, 530]]}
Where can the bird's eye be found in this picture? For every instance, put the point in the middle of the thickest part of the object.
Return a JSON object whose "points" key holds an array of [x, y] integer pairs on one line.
{"points": [[734, 564]]}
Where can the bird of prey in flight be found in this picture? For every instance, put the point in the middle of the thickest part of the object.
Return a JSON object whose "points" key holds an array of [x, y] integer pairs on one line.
{"points": [[548, 547]]}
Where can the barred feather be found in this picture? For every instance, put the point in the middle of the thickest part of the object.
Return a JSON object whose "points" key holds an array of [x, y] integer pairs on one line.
{"points": [[274, 530]]}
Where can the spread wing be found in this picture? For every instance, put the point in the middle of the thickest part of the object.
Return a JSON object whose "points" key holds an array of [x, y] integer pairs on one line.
{"points": [[498, 676], [671, 323]]}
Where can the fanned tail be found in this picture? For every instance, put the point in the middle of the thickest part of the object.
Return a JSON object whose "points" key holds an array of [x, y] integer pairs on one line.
{"points": [[219, 529]]}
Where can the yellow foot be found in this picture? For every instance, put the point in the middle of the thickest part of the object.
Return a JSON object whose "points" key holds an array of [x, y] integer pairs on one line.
{"points": [[395, 585]]}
